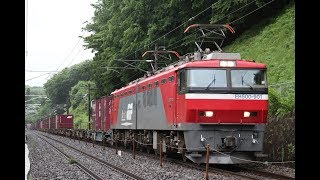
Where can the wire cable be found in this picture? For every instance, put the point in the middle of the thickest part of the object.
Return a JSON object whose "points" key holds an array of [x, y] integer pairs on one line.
{"points": [[70, 52], [38, 76], [38, 71], [190, 19], [74, 57], [251, 12], [236, 10]]}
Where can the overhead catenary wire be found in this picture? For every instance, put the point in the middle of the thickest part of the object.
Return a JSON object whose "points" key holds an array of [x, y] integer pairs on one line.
{"points": [[38, 76], [71, 51], [236, 10], [132, 77], [62, 61], [197, 16], [180, 41], [74, 57], [182, 25], [236, 19], [251, 12], [38, 71], [190, 20]]}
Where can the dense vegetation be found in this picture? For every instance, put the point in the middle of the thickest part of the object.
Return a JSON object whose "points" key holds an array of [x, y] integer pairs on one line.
{"points": [[57, 89], [79, 103], [126, 29], [273, 42]]}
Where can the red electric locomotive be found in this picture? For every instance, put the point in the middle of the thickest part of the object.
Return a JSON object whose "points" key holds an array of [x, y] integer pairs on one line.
{"points": [[207, 98]]}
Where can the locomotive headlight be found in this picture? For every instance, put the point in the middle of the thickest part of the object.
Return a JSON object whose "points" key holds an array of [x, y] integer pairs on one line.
{"points": [[250, 114], [246, 114], [227, 63], [208, 113]]}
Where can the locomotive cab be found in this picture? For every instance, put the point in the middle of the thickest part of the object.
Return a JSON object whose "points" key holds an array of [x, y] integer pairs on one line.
{"points": [[219, 94], [222, 103]]}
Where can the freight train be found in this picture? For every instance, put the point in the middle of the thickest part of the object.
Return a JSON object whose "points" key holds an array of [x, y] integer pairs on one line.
{"points": [[208, 98]]}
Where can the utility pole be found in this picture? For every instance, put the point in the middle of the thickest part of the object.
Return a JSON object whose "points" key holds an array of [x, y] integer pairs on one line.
{"points": [[89, 103], [89, 107], [155, 57], [68, 103]]}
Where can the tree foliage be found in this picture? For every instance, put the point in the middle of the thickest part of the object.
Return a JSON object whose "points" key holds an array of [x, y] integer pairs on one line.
{"points": [[58, 87], [79, 92], [79, 101], [273, 42], [126, 29], [57, 90]]}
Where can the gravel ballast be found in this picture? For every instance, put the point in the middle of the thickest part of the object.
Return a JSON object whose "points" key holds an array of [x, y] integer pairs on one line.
{"points": [[47, 163]]}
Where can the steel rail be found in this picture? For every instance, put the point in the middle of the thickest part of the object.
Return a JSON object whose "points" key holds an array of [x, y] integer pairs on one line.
{"points": [[82, 167], [115, 168]]}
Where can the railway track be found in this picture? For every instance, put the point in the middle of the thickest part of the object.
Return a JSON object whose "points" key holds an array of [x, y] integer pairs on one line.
{"points": [[241, 172], [91, 173], [264, 173], [80, 166]]}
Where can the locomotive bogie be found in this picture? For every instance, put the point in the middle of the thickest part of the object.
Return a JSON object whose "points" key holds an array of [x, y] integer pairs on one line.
{"points": [[225, 142]]}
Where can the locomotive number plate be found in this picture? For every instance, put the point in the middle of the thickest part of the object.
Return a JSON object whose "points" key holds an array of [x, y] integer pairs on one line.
{"points": [[248, 96]]}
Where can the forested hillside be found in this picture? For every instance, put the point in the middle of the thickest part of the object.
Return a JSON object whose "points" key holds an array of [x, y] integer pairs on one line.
{"points": [[123, 30], [272, 41]]}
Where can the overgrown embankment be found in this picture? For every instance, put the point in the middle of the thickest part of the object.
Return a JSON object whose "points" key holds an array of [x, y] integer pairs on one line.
{"points": [[273, 42]]}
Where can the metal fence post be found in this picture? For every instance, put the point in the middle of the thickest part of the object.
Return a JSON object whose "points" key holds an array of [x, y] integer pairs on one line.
{"points": [[207, 162], [160, 153]]}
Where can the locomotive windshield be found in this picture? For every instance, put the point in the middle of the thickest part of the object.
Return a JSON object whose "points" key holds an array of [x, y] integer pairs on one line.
{"points": [[248, 78], [227, 80], [205, 78]]}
